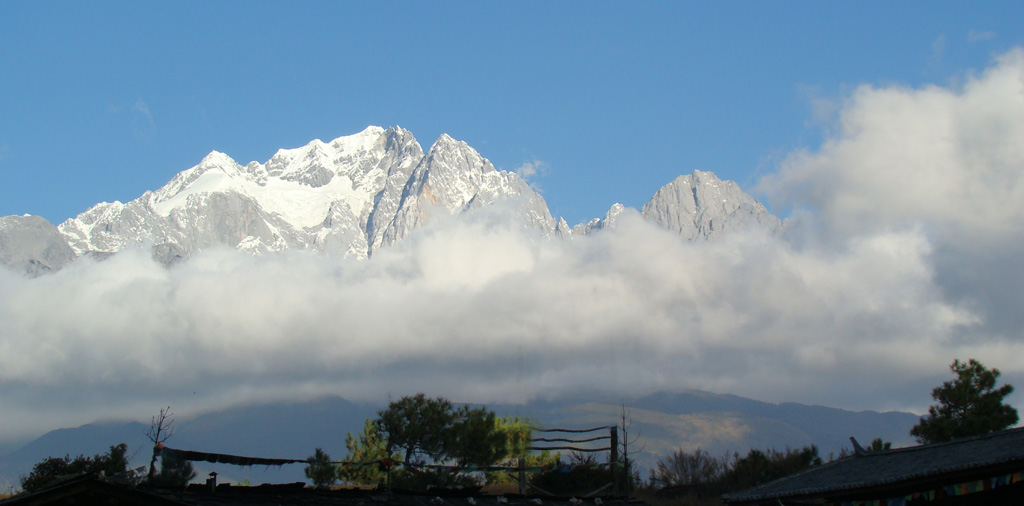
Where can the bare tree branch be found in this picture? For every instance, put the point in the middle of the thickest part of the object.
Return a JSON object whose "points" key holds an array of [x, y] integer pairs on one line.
{"points": [[160, 429]]}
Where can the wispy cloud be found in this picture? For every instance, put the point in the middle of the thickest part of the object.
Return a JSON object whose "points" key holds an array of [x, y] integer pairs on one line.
{"points": [[5, 153], [978, 36], [142, 108], [938, 49], [530, 170], [143, 125]]}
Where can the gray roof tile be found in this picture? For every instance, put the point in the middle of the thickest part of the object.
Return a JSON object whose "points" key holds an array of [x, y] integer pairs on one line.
{"points": [[893, 467]]}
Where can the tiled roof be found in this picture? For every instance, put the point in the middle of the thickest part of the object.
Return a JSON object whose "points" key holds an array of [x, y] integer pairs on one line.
{"points": [[894, 467]]}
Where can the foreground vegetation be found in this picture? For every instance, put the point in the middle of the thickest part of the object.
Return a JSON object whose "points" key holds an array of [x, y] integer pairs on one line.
{"points": [[968, 405], [437, 445], [419, 442], [697, 477]]}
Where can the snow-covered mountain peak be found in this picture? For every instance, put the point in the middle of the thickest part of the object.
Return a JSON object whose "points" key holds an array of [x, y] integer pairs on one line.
{"points": [[702, 178], [355, 194], [311, 164], [216, 159], [362, 141], [445, 139], [448, 154], [452, 174], [445, 147], [397, 138]]}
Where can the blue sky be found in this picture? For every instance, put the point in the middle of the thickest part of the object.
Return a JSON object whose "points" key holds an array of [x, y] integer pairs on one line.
{"points": [[101, 101]]}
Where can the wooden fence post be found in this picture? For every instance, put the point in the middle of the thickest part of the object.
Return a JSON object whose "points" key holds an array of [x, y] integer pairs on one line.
{"points": [[613, 459]]}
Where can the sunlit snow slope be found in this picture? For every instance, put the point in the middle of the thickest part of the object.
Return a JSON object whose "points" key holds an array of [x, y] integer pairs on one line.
{"points": [[347, 197]]}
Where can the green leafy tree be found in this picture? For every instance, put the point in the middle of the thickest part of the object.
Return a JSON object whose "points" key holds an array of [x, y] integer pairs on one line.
{"points": [[764, 466], [431, 430], [477, 438], [320, 469], [367, 447], [878, 444], [968, 405], [52, 468], [112, 463], [517, 433], [530, 461], [750, 470], [418, 426]]}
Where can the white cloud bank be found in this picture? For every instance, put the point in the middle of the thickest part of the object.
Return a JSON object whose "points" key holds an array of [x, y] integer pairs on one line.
{"points": [[903, 255], [946, 163]]}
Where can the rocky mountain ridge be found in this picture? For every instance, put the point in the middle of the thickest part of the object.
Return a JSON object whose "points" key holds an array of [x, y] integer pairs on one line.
{"points": [[348, 197]]}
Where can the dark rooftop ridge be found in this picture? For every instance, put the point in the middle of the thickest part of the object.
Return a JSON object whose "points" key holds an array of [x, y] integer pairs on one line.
{"points": [[897, 468]]}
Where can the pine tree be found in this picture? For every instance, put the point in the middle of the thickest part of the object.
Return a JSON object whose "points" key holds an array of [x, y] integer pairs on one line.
{"points": [[968, 405], [367, 447], [320, 469]]}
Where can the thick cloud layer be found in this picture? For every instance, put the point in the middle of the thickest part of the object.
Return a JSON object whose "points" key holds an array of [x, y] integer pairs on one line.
{"points": [[903, 254], [946, 162]]}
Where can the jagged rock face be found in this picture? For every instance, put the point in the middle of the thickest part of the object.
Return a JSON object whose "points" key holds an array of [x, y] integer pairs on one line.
{"points": [[32, 245], [454, 178], [348, 197], [596, 224], [700, 205], [696, 206]]}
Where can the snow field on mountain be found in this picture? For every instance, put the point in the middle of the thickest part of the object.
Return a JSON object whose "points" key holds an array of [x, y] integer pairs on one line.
{"points": [[298, 204]]}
